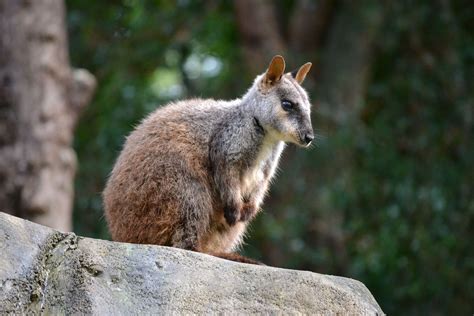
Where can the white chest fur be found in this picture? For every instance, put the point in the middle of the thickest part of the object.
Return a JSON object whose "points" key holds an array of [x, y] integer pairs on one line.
{"points": [[255, 175]]}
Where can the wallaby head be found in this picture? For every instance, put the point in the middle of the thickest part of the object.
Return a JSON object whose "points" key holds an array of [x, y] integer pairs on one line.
{"points": [[281, 105]]}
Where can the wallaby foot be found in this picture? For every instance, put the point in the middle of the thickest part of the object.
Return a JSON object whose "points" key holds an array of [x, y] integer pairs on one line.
{"points": [[236, 257]]}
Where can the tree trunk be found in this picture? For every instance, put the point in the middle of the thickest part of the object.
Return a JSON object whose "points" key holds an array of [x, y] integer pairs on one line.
{"points": [[346, 59], [40, 100], [259, 33], [309, 25]]}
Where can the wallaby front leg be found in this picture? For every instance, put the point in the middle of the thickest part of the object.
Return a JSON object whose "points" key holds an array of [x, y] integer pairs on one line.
{"points": [[229, 157], [232, 213], [249, 210], [252, 203], [229, 187]]}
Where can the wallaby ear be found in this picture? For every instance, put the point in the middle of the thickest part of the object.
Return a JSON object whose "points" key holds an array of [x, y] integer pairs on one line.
{"points": [[275, 70], [301, 73]]}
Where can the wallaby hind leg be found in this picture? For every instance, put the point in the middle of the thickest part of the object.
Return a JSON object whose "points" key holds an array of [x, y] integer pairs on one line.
{"points": [[195, 207]]}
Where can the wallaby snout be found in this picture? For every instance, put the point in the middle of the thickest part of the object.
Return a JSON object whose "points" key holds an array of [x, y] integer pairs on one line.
{"points": [[308, 138], [306, 135]]}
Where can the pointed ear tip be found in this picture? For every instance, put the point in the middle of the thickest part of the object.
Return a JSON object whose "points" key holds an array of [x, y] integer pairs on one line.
{"points": [[278, 58], [309, 64]]}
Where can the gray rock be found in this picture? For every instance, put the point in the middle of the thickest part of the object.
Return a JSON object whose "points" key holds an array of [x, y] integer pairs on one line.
{"points": [[43, 271]]}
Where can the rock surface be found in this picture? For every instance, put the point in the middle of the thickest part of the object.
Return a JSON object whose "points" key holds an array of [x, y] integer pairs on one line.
{"points": [[45, 271]]}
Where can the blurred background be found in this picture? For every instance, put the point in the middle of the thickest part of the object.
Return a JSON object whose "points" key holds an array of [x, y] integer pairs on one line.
{"points": [[386, 196]]}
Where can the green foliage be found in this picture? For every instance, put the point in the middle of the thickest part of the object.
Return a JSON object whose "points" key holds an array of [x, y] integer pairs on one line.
{"points": [[411, 219], [399, 212]]}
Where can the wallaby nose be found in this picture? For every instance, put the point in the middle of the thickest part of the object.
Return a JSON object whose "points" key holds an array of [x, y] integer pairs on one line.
{"points": [[308, 138]]}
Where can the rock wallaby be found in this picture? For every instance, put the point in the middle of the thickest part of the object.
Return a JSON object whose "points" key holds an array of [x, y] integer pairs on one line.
{"points": [[195, 172]]}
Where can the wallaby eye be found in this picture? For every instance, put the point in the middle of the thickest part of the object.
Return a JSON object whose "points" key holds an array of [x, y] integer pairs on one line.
{"points": [[287, 105]]}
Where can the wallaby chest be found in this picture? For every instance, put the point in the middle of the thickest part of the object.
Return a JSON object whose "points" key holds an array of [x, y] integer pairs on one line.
{"points": [[257, 171]]}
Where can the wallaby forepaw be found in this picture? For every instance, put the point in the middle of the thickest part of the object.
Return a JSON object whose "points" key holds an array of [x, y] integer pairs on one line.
{"points": [[231, 214], [248, 212]]}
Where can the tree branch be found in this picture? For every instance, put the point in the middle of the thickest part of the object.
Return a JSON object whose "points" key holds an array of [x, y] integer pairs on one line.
{"points": [[82, 90]]}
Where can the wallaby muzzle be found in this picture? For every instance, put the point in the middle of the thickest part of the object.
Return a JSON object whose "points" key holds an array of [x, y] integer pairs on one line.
{"points": [[306, 133], [306, 136]]}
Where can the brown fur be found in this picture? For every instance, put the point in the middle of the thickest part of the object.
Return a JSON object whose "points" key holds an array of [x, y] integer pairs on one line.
{"points": [[141, 201], [140, 182]]}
